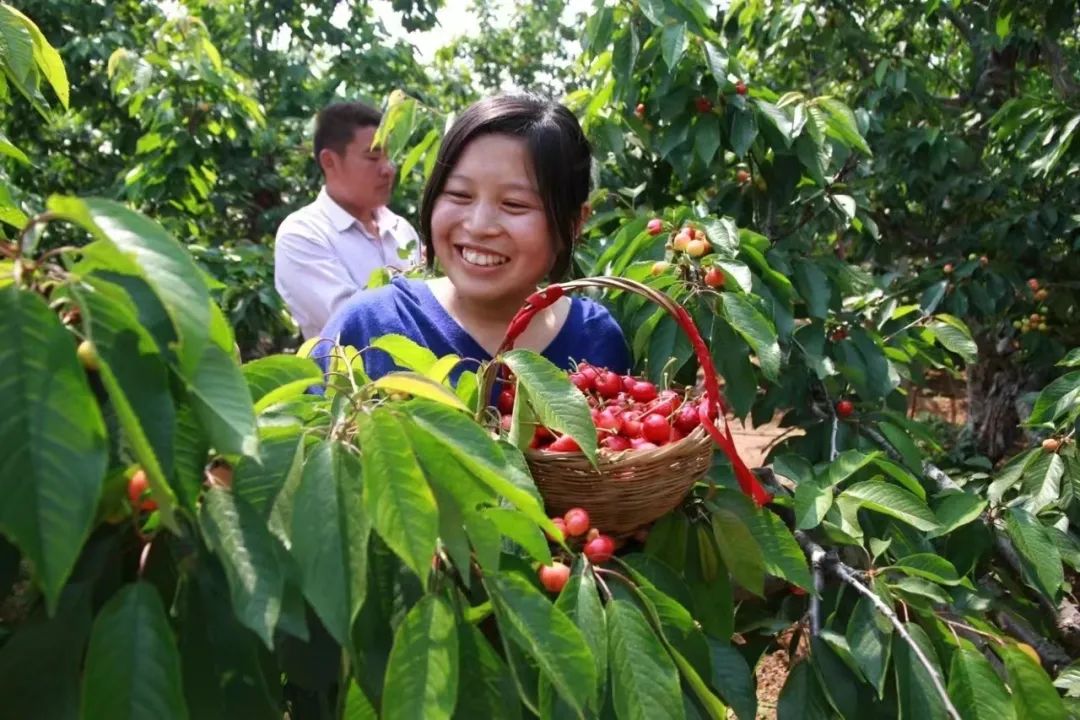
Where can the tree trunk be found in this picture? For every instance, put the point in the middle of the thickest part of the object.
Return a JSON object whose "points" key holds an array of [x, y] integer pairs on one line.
{"points": [[994, 385]]}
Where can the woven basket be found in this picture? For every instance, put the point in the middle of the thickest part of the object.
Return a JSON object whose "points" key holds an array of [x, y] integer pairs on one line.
{"points": [[630, 489]]}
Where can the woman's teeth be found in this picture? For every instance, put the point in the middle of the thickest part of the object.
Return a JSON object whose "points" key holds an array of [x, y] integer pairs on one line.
{"points": [[475, 257]]}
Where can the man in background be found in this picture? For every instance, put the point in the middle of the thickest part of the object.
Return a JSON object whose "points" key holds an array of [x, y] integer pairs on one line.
{"points": [[326, 251]]}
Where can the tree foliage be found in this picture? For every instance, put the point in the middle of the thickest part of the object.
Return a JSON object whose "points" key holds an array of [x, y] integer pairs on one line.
{"points": [[372, 551]]}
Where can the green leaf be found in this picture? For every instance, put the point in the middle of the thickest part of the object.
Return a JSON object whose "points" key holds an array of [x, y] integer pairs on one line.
{"points": [[868, 635], [673, 44], [357, 706], [740, 552], [17, 44], [654, 11], [743, 130], [975, 688], [222, 402], [813, 499], [547, 635], [777, 118], [6, 148], [47, 58], [158, 258], [756, 330], [514, 525], [929, 566], [644, 680], [717, 62], [802, 697], [1033, 694], [1043, 482], [470, 445], [52, 441], [420, 386], [397, 498], [1042, 560], [580, 600], [330, 536], [279, 377], [558, 404], [1056, 399], [1071, 359], [955, 336], [814, 288], [779, 550], [916, 696], [422, 676], [485, 686], [238, 535], [891, 500], [732, 677], [914, 590], [132, 664], [42, 662], [137, 380], [724, 236], [957, 509], [841, 125], [260, 483], [707, 138]]}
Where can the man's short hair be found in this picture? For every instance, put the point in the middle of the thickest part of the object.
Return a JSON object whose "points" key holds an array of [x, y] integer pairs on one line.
{"points": [[336, 124]]}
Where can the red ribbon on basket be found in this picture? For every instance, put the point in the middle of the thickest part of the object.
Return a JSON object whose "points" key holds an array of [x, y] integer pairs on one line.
{"points": [[546, 297]]}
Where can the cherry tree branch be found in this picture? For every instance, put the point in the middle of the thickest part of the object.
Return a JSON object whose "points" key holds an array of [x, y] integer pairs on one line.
{"points": [[848, 575]]}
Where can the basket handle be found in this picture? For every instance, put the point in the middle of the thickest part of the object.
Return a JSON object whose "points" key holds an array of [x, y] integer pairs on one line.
{"points": [[544, 298]]}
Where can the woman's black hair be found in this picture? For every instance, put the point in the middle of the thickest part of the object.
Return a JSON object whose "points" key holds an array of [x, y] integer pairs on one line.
{"points": [[560, 155]]}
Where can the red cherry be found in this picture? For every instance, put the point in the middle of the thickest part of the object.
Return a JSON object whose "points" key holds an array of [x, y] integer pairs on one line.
{"points": [[845, 408], [742, 177], [609, 420], [506, 402], [686, 420], [628, 382], [608, 384], [740, 88], [577, 521], [640, 110], [677, 434], [554, 576], [642, 444], [631, 424], [560, 526], [839, 334], [714, 277], [600, 549], [564, 443], [505, 422], [655, 226], [581, 381], [667, 404], [655, 428], [703, 104], [615, 443], [138, 487], [643, 391]]}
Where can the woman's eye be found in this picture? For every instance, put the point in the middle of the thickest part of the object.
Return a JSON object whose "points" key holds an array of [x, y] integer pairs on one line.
{"points": [[515, 205], [456, 194]]}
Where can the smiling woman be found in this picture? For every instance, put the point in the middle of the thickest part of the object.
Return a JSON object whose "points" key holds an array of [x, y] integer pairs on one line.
{"points": [[500, 215]]}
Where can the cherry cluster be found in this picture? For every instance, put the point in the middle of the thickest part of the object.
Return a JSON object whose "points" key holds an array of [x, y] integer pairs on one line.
{"points": [[629, 413], [598, 548]]}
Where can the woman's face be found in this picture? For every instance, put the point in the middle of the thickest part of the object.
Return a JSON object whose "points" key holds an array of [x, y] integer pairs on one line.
{"points": [[488, 226]]}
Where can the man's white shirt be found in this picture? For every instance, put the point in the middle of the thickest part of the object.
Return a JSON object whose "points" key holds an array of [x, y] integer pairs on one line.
{"points": [[322, 255]]}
